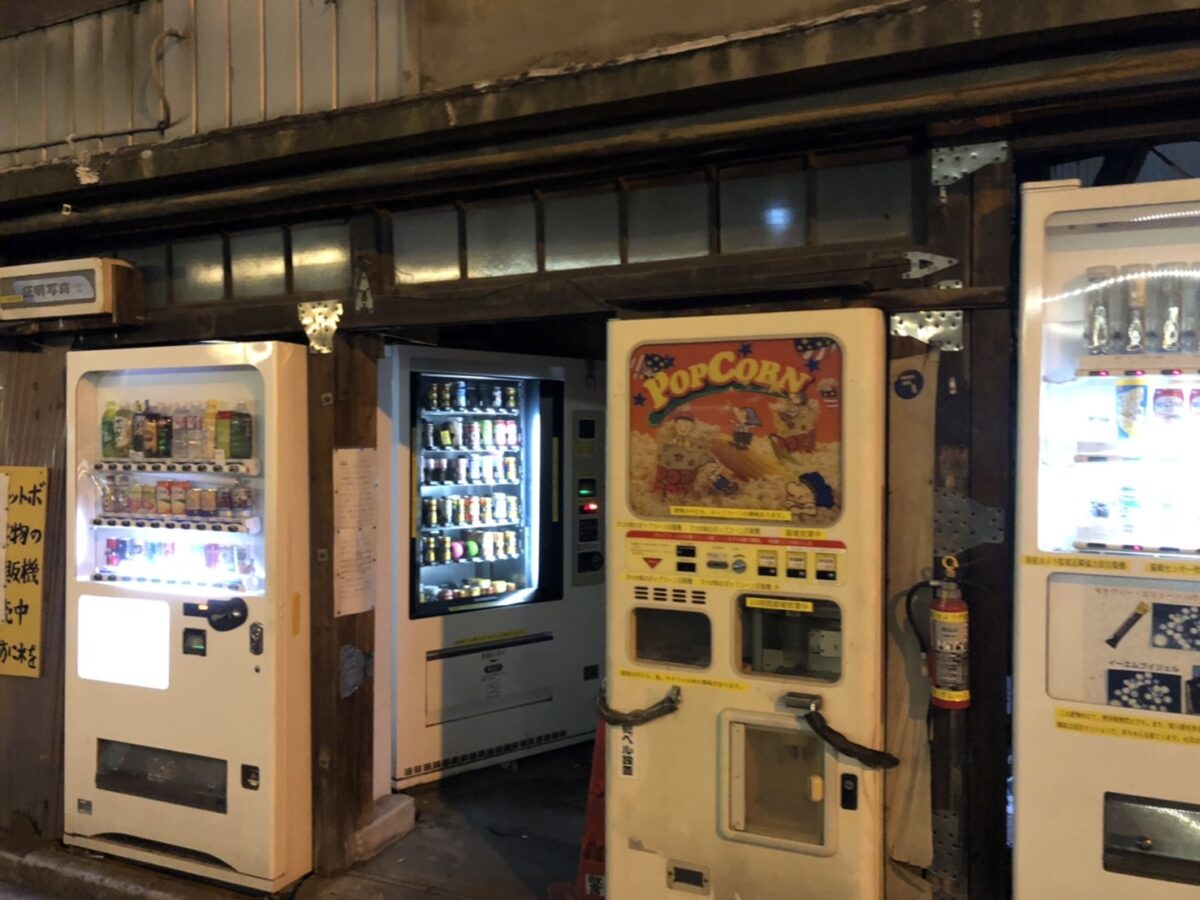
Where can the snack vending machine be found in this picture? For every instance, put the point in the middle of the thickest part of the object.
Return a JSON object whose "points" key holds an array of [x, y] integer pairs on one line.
{"points": [[745, 608], [496, 473], [1107, 663], [187, 727]]}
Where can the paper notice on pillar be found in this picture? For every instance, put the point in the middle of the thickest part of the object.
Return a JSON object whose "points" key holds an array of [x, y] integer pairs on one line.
{"points": [[23, 525], [1131, 643], [355, 486]]}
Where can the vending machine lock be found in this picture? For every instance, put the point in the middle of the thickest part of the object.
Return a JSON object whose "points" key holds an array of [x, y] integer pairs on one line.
{"points": [[805, 702], [226, 615]]}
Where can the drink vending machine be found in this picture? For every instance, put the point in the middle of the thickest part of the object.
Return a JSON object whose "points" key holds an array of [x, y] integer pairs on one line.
{"points": [[745, 608], [496, 470], [1107, 662], [187, 727]]}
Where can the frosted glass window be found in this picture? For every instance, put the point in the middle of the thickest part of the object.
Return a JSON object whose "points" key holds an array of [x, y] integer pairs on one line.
{"points": [[152, 263], [198, 270], [582, 231], [763, 212], [501, 239], [257, 261], [668, 222], [321, 256], [425, 245], [864, 203]]}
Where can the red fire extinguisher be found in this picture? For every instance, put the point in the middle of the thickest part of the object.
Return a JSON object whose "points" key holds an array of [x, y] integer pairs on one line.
{"points": [[947, 651]]}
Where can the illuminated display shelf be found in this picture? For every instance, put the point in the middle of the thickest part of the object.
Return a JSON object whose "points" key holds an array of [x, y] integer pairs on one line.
{"points": [[469, 484], [251, 525], [510, 411], [156, 465], [1137, 365], [490, 450], [472, 527], [474, 560], [233, 585]]}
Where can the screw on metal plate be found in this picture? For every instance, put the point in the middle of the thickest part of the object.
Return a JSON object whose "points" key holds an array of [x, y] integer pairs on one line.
{"points": [[950, 284], [327, 399], [921, 264], [1144, 843], [940, 328], [322, 555], [951, 164], [320, 321], [959, 523]]}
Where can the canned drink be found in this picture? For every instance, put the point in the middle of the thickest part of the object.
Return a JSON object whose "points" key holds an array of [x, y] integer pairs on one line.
{"points": [[510, 469], [446, 513], [445, 436], [475, 470], [191, 503], [163, 492], [432, 399], [224, 503], [208, 502], [245, 562], [514, 434], [474, 435], [108, 498], [510, 544], [428, 551], [242, 496], [228, 563], [510, 397], [1194, 401], [514, 509], [445, 554], [485, 510], [459, 473], [111, 554], [179, 492], [459, 510], [456, 432], [1168, 404], [429, 470], [500, 506], [500, 432], [212, 556], [1131, 408], [445, 395], [430, 506], [460, 395], [488, 545], [472, 395], [428, 435], [486, 432], [473, 510], [497, 397]]}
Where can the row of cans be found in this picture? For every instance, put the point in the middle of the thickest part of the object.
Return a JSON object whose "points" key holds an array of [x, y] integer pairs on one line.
{"points": [[496, 509], [121, 496], [133, 553], [470, 589], [1170, 404], [466, 395], [477, 546], [475, 469], [470, 434]]}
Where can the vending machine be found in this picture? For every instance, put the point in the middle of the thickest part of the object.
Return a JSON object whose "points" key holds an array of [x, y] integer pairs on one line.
{"points": [[745, 607], [496, 474], [187, 726], [1107, 662]]}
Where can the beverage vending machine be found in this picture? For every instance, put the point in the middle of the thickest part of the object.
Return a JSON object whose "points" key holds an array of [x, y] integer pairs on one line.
{"points": [[496, 474], [745, 608], [1107, 662], [187, 727]]}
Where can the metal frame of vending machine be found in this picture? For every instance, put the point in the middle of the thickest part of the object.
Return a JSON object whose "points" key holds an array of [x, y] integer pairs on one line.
{"points": [[187, 720], [1107, 656], [745, 606], [497, 648]]}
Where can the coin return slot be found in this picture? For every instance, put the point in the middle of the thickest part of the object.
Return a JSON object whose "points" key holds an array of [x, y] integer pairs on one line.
{"points": [[682, 637], [689, 878]]}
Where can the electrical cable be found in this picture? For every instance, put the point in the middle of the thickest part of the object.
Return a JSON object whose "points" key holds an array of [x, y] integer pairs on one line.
{"points": [[663, 707]]}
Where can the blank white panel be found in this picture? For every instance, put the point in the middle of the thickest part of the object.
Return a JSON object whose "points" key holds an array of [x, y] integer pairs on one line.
{"points": [[125, 640]]}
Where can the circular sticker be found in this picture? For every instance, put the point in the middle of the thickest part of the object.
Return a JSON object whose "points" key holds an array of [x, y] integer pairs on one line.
{"points": [[908, 384]]}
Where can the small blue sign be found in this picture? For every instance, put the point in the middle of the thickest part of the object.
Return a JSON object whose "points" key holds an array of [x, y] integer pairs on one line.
{"points": [[909, 384]]}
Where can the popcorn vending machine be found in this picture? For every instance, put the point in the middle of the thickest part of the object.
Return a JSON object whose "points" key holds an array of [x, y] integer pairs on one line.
{"points": [[745, 607], [1107, 662], [187, 736]]}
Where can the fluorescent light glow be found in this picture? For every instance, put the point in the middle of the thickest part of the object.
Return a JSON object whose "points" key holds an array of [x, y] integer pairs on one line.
{"points": [[125, 640], [1178, 214], [778, 218], [1187, 274]]}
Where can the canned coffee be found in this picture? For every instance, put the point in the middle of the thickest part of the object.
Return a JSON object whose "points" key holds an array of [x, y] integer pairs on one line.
{"points": [[460, 395], [474, 435], [486, 436], [510, 396], [497, 397]]}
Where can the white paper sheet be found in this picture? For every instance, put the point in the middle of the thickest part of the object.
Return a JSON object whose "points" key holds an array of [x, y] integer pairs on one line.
{"points": [[355, 487]]}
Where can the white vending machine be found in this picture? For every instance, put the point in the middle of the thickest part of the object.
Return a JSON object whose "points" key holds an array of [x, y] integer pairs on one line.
{"points": [[745, 607], [187, 724], [496, 476], [1107, 662]]}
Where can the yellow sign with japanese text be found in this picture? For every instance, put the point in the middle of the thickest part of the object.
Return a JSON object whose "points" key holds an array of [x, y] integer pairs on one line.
{"points": [[24, 558]]}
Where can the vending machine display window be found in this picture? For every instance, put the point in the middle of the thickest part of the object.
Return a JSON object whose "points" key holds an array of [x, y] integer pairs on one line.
{"points": [[790, 637], [679, 637], [737, 430], [1120, 410], [480, 516]]}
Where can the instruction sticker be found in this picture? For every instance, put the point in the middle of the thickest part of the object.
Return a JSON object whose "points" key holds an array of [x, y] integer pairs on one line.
{"points": [[697, 681], [800, 606], [1106, 724], [1075, 562], [1165, 568], [629, 759]]}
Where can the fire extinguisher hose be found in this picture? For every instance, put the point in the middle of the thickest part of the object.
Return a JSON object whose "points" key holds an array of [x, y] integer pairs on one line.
{"points": [[872, 759]]}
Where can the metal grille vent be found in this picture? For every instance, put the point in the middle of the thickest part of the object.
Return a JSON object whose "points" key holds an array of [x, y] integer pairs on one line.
{"points": [[451, 762]]}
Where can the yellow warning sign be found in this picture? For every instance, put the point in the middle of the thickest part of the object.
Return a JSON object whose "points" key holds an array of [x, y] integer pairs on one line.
{"points": [[491, 638], [803, 606], [668, 678], [807, 534], [720, 512], [689, 527], [1168, 568], [1169, 731], [1075, 562]]}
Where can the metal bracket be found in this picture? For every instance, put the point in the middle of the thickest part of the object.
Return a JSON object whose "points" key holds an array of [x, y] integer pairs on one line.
{"points": [[320, 322], [921, 264], [364, 297], [960, 523], [946, 868], [939, 328], [951, 164]]}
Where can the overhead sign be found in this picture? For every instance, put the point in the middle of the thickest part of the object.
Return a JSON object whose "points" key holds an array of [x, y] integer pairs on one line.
{"points": [[66, 288]]}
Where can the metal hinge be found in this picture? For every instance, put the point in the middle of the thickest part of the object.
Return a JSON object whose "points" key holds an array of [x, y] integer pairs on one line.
{"points": [[939, 328], [320, 322], [921, 264], [951, 164], [960, 523]]}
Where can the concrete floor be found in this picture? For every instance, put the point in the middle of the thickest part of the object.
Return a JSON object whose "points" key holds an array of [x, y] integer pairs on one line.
{"points": [[502, 833]]}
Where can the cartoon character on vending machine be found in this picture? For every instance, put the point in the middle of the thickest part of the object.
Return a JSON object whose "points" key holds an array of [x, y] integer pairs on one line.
{"points": [[679, 459], [744, 420], [795, 425], [809, 493]]}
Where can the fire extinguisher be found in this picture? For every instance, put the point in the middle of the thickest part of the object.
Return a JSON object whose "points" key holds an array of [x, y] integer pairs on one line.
{"points": [[947, 650]]}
